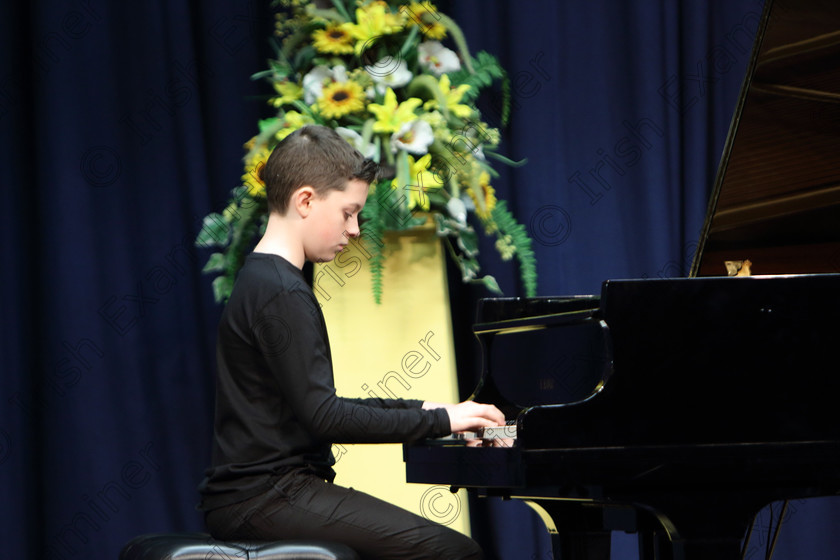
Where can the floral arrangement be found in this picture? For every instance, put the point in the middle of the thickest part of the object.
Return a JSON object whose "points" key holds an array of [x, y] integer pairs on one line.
{"points": [[379, 73]]}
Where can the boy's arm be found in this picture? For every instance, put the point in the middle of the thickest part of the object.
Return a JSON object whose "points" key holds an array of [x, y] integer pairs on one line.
{"points": [[300, 364], [429, 405], [388, 403]]}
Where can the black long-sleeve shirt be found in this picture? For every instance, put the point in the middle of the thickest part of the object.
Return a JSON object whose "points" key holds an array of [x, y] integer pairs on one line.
{"points": [[276, 404]]}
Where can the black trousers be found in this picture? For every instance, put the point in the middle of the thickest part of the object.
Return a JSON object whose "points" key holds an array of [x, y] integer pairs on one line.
{"points": [[300, 505]]}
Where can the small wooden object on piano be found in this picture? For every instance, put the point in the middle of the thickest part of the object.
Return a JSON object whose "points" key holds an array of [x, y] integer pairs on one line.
{"points": [[738, 268]]}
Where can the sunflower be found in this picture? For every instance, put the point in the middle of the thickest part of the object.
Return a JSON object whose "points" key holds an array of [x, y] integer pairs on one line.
{"points": [[333, 40], [340, 98], [425, 14]]}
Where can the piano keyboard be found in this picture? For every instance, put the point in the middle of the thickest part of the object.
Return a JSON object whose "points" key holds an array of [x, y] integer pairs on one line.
{"points": [[497, 432], [486, 435]]}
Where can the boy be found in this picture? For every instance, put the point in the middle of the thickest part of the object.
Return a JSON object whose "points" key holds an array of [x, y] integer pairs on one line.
{"points": [[277, 413]]}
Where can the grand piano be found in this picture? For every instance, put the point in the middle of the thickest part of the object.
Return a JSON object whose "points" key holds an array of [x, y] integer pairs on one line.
{"points": [[679, 408]]}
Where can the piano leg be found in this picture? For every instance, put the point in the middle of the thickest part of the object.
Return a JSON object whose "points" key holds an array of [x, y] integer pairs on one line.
{"points": [[580, 530], [654, 545], [696, 526]]}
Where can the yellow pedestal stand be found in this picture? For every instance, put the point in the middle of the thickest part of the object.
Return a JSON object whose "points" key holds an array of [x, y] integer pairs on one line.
{"points": [[401, 348]]}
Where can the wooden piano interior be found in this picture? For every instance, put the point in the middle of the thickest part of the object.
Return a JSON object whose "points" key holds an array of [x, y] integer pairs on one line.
{"points": [[777, 196]]}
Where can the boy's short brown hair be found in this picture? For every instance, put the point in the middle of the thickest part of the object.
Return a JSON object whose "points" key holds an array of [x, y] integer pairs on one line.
{"points": [[316, 156]]}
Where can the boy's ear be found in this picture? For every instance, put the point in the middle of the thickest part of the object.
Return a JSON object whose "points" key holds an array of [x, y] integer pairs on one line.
{"points": [[302, 199]]}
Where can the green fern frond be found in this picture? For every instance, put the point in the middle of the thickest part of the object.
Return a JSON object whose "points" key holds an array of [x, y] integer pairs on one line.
{"points": [[518, 237], [486, 71], [377, 269], [373, 233], [505, 99]]}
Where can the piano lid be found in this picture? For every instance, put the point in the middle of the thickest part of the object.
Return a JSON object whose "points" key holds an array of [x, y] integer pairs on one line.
{"points": [[776, 198]]}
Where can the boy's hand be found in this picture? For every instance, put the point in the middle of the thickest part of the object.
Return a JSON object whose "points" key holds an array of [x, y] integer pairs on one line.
{"points": [[470, 416]]}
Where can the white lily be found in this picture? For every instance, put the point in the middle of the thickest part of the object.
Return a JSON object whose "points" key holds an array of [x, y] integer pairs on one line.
{"points": [[458, 210], [389, 72], [437, 58], [366, 149], [414, 137]]}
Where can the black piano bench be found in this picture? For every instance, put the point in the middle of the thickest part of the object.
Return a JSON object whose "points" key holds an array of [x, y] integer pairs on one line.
{"points": [[200, 546]]}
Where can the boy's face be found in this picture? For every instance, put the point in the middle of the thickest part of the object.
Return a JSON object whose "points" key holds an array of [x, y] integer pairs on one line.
{"points": [[333, 220]]}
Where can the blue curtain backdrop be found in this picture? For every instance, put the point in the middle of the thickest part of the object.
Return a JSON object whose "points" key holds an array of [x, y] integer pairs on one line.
{"points": [[121, 124]]}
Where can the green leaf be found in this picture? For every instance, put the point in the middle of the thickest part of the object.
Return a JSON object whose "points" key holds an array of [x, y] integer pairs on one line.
{"points": [[290, 45], [270, 123], [469, 268], [330, 15], [468, 242], [403, 178], [304, 56], [499, 157], [214, 231], [491, 284], [437, 198], [216, 263], [263, 74], [410, 42], [367, 131], [222, 287], [307, 110], [443, 226], [339, 5]]}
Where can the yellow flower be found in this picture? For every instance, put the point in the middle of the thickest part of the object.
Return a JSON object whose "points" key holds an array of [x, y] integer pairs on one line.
{"points": [[391, 115], [484, 196], [453, 97], [422, 181], [333, 40], [341, 98], [254, 162], [425, 14], [292, 121], [372, 21], [289, 91]]}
